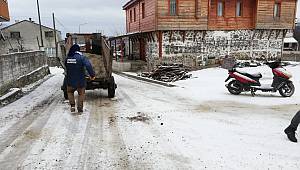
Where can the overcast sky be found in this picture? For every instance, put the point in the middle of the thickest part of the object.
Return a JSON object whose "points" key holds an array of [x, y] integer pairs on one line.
{"points": [[99, 15], [92, 15]]}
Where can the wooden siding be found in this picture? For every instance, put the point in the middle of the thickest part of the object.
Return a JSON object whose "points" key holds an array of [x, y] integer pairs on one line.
{"points": [[229, 21], [202, 15], [141, 24], [191, 15], [4, 14], [266, 19]]}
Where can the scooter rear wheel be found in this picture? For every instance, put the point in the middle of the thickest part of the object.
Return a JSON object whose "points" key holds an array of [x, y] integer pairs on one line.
{"points": [[234, 87], [287, 90]]}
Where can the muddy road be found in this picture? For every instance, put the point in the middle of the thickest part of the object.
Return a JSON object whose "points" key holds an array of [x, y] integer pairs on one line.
{"points": [[145, 127]]}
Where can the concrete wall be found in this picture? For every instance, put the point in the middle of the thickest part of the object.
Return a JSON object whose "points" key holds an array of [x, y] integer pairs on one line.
{"points": [[291, 56], [17, 65], [29, 32], [193, 47]]}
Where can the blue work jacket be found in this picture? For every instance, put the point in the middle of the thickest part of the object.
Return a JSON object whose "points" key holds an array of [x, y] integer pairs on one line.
{"points": [[76, 66]]}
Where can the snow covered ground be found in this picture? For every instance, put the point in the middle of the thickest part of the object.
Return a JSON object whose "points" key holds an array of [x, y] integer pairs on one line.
{"points": [[209, 84], [196, 125]]}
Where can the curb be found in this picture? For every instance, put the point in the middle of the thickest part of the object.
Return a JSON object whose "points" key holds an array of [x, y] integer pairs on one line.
{"points": [[144, 79], [10, 96]]}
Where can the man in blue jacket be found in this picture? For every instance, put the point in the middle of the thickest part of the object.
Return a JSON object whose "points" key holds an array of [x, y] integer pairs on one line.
{"points": [[75, 66]]}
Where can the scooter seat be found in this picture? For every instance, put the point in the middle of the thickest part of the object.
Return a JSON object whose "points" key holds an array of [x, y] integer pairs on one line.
{"points": [[253, 75]]}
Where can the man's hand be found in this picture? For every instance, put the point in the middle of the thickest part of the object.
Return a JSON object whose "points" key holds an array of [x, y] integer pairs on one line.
{"points": [[92, 78]]}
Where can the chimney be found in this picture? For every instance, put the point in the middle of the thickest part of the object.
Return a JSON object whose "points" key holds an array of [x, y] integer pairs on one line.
{"points": [[30, 19]]}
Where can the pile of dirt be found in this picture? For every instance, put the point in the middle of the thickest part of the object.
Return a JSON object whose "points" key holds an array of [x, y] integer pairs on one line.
{"points": [[141, 117]]}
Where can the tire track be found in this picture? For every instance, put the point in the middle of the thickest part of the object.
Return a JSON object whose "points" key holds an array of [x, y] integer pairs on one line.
{"points": [[17, 140], [104, 147]]}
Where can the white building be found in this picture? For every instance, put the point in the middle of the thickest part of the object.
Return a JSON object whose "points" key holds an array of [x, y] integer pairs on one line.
{"points": [[25, 36]]}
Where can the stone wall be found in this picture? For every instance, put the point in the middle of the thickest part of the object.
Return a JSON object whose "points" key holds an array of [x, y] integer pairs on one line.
{"points": [[291, 56], [194, 48], [53, 62], [17, 65]]}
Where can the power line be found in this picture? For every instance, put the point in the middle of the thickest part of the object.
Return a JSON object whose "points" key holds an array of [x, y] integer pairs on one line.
{"points": [[61, 24]]}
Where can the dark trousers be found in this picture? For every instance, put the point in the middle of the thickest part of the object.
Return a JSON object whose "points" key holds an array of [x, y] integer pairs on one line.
{"points": [[295, 121], [81, 96]]}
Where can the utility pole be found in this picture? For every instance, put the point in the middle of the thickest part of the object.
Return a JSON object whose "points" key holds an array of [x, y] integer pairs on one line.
{"points": [[81, 25], [39, 15], [55, 38]]}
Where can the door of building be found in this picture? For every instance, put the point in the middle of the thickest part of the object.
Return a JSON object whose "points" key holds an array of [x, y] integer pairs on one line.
{"points": [[142, 49]]}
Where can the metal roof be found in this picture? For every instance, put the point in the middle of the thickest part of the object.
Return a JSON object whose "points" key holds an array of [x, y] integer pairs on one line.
{"points": [[128, 4], [29, 22], [290, 40]]}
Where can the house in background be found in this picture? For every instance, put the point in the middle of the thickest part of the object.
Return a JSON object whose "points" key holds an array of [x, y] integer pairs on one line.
{"points": [[290, 43], [4, 13], [25, 36], [190, 31]]}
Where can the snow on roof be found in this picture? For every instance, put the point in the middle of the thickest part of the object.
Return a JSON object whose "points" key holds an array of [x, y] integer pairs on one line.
{"points": [[4, 28], [290, 40]]}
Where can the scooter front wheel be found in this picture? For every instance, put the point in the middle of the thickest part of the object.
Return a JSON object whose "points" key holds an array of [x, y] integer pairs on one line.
{"points": [[287, 90], [234, 87]]}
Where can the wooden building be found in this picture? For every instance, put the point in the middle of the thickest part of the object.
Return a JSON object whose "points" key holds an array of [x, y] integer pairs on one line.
{"points": [[190, 31], [4, 14]]}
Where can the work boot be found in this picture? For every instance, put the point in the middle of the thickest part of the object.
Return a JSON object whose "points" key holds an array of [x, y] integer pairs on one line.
{"points": [[80, 110], [72, 108], [290, 132]]}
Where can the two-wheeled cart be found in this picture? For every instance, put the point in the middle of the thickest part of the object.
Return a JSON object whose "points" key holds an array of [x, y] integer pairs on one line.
{"points": [[97, 50]]}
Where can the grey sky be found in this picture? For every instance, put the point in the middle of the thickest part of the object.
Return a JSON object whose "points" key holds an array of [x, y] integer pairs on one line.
{"points": [[100, 15]]}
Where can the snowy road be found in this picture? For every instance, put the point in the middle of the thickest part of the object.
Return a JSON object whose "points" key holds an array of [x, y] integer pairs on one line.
{"points": [[148, 127]]}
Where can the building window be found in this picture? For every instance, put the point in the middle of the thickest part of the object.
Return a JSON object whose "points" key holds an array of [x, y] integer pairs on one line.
{"points": [[130, 15], [13, 50], [277, 7], [220, 10], [173, 7], [50, 52], [239, 8], [134, 15], [15, 35], [143, 10], [49, 34]]}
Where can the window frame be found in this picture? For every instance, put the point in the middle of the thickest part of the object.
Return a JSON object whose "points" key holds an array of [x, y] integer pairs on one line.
{"points": [[176, 8], [130, 15], [241, 8], [47, 34], [278, 5], [134, 15], [143, 10], [223, 8], [12, 36]]}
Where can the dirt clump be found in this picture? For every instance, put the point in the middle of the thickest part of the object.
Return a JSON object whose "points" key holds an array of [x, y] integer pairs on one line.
{"points": [[141, 117]]}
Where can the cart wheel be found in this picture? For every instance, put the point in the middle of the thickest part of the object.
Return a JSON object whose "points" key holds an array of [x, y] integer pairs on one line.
{"points": [[112, 88]]}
